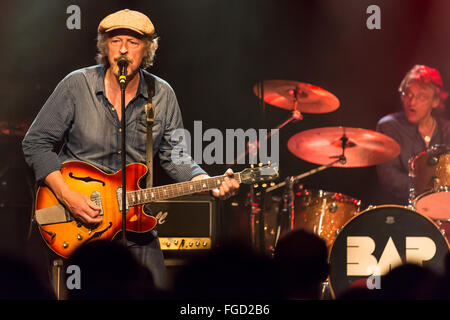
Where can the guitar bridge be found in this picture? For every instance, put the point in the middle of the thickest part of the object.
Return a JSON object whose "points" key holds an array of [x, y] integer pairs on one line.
{"points": [[119, 200]]}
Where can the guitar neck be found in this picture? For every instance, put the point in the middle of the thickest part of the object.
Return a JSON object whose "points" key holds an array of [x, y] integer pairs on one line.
{"points": [[143, 196]]}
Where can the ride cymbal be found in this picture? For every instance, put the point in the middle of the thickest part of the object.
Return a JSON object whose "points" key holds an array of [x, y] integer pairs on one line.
{"points": [[362, 147]]}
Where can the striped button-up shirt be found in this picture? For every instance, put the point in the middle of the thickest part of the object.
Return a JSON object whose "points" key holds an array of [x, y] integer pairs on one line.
{"points": [[79, 115]]}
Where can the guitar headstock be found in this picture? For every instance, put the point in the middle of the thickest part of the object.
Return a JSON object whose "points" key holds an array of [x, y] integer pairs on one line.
{"points": [[261, 173]]}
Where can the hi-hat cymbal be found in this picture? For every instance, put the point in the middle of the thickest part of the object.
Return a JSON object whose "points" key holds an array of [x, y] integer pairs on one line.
{"points": [[285, 93], [363, 147]]}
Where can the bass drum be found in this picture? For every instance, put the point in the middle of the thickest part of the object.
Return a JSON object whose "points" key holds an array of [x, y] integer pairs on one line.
{"points": [[381, 238]]}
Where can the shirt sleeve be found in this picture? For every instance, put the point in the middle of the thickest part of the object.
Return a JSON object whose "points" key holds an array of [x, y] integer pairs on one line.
{"points": [[392, 176], [47, 130], [174, 147]]}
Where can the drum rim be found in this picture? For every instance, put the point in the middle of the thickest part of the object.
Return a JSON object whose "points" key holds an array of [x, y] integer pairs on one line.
{"points": [[427, 193], [325, 192], [371, 209], [434, 147]]}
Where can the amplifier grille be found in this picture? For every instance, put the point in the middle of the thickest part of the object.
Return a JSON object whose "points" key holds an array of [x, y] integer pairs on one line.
{"points": [[186, 223]]}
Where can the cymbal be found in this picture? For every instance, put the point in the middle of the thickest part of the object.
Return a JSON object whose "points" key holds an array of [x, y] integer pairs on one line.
{"points": [[309, 98], [324, 145]]}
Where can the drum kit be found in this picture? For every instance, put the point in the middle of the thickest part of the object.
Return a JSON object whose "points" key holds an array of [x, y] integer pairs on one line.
{"points": [[364, 243]]}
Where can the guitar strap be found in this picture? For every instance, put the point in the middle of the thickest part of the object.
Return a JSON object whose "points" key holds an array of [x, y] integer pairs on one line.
{"points": [[150, 117]]}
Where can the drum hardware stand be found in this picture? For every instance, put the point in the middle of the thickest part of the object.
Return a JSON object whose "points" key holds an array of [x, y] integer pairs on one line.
{"points": [[288, 195], [288, 208], [253, 147], [325, 291], [296, 114], [304, 175]]}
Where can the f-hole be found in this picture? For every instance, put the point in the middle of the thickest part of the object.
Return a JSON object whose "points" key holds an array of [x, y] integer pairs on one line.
{"points": [[86, 179]]}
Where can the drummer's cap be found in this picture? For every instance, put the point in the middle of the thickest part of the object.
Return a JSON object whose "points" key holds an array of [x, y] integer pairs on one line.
{"points": [[127, 19]]}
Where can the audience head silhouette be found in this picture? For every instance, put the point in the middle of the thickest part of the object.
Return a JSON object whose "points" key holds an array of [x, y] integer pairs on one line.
{"points": [[302, 259], [109, 270], [19, 281], [227, 272]]}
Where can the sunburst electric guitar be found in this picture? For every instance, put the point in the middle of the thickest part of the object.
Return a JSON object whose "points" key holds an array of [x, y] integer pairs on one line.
{"points": [[63, 234]]}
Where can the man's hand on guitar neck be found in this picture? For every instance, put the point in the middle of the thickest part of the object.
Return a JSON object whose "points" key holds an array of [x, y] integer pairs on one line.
{"points": [[79, 205], [227, 189]]}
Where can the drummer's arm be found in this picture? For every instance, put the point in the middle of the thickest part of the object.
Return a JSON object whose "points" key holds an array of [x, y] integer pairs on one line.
{"points": [[393, 177]]}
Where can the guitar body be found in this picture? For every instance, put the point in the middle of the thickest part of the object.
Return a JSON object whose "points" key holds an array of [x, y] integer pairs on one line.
{"points": [[64, 237]]}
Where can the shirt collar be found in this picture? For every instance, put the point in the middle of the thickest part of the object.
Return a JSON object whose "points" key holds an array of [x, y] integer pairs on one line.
{"points": [[99, 82]]}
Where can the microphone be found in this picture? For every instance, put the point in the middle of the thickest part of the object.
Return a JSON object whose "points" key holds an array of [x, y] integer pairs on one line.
{"points": [[122, 62]]}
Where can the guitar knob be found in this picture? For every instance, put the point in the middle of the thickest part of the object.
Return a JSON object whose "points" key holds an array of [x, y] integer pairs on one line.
{"points": [[79, 237], [65, 245]]}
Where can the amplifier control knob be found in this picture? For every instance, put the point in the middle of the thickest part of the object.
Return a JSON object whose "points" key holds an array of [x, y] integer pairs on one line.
{"points": [[168, 244], [205, 243], [197, 243], [175, 242], [190, 244]]}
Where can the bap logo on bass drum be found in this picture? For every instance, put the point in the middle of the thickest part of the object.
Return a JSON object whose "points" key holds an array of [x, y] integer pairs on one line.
{"points": [[380, 239]]}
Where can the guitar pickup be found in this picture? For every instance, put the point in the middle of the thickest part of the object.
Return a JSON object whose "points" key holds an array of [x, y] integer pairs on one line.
{"points": [[119, 200]]}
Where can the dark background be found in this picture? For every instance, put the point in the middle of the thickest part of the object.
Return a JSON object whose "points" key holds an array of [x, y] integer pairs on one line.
{"points": [[212, 52]]}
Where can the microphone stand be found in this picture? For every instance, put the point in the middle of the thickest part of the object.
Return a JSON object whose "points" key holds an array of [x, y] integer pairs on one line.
{"points": [[123, 63]]}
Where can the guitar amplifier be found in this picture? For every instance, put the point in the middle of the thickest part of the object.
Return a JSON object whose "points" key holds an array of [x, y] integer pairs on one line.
{"points": [[186, 223]]}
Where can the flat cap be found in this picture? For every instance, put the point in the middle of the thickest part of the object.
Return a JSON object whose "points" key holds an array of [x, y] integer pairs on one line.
{"points": [[127, 19]]}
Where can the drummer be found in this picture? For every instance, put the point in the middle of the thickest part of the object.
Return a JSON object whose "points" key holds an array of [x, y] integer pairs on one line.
{"points": [[417, 127]]}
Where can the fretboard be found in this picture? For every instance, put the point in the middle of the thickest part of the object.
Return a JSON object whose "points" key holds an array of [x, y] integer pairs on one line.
{"points": [[143, 196]]}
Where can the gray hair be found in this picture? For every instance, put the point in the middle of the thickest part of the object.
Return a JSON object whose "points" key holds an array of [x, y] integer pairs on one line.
{"points": [[150, 43]]}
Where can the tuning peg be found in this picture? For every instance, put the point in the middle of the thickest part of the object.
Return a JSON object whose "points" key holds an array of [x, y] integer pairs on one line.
{"points": [[260, 164], [252, 166], [272, 184], [264, 185], [255, 185], [268, 163]]}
